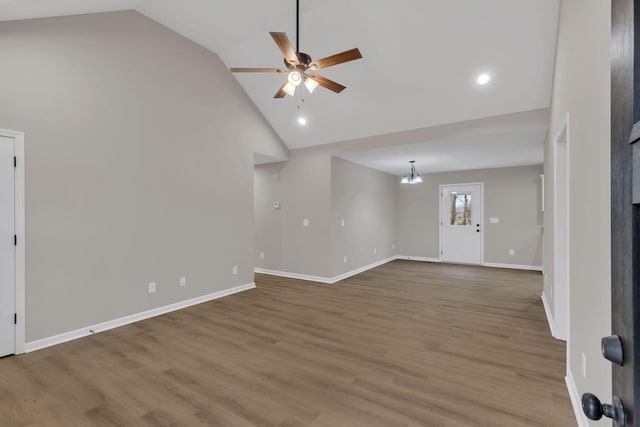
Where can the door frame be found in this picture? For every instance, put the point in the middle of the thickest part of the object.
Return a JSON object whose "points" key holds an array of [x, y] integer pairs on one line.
{"points": [[625, 203], [20, 253], [441, 218], [560, 288]]}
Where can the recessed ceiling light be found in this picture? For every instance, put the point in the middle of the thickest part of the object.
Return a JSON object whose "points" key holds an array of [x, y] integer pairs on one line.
{"points": [[483, 79], [302, 121]]}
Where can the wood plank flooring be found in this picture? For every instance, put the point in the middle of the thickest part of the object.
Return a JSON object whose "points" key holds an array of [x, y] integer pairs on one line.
{"points": [[405, 344]]}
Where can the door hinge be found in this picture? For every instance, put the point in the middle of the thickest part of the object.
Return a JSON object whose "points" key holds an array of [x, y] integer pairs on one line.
{"points": [[441, 252], [15, 240], [15, 318], [15, 162]]}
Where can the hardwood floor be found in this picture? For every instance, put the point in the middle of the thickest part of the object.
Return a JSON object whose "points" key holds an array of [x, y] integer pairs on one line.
{"points": [[406, 344]]}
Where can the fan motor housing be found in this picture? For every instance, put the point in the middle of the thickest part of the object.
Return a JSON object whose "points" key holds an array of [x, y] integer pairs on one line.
{"points": [[304, 61]]}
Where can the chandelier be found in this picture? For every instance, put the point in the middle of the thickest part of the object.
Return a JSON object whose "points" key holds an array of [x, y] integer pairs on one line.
{"points": [[412, 177]]}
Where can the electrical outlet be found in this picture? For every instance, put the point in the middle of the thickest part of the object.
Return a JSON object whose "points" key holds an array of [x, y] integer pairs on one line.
{"points": [[342, 222], [183, 281], [305, 222], [235, 269], [345, 259], [152, 287], [261, 255], [584, 366], [512, 252], [375, 251], [393, 246]]}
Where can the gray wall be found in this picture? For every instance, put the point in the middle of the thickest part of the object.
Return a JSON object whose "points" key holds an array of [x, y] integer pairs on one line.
{"points": [[511, 194], [268, 220], [366, 200], [582, 89], [314, 185], [381, 213], [139, 157], [304, 188]]}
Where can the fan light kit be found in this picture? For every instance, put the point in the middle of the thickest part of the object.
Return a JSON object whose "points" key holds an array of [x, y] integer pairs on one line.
{"points": [[412, 177], [298, 63]]}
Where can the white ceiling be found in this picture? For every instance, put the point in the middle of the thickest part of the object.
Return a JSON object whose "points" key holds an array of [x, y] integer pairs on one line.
{"points": [[421, 58], [485, 151]]}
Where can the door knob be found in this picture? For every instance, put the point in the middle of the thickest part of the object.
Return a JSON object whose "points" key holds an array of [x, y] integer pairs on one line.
{"points": [[594, 410], [612, 349]]}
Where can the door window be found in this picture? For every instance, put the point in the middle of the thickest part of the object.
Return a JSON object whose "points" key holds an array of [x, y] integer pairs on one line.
{"points": [[460, 209]]}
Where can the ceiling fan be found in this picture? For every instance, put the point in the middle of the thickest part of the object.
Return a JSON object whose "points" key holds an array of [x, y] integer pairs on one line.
{"points": [[298, 63]]}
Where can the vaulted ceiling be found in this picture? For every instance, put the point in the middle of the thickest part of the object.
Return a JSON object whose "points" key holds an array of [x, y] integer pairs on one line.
{"points": [[420, 61]]}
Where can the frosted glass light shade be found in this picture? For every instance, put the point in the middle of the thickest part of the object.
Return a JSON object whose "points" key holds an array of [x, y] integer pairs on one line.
{"points": [[310, 84], [294, 78], [289, 89]]}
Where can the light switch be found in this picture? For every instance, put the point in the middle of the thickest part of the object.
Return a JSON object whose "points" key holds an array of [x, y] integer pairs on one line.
{"points": [[305, 222], [494, 220]]}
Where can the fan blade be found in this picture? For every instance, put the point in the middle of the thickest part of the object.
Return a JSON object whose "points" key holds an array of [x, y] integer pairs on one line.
{"points": [[258, 70], [281, 93], [284, 44], [326, 83], [338, 58]]}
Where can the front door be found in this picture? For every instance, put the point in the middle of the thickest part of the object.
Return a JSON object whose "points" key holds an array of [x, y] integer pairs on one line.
{"points": [[461, 226], [621, 348], [7, 247]]}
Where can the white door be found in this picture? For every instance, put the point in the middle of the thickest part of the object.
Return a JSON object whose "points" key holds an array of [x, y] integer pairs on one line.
{"points": [[7, 247], [461, 226]]}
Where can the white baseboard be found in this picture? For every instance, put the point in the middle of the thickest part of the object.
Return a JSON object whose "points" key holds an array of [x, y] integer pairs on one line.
{"points": [[320, 279], [292, 275], [513, 266], [547, 311], [361, 269], [332, 280], [110, 324], [576, 401], [550, 319], [485, 264], [418, 258]]}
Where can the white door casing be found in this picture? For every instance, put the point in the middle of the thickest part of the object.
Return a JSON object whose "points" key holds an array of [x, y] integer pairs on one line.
{"points": [[560, 286], [462, 223], [7, 247], [12, 243]]}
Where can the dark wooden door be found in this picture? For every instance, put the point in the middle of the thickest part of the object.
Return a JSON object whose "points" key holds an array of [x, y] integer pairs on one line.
{"points": [[622, 347]]}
